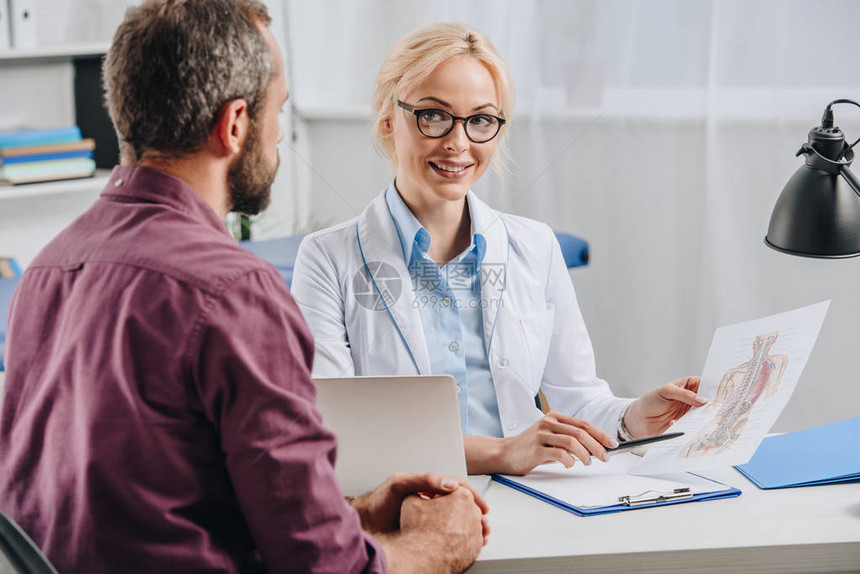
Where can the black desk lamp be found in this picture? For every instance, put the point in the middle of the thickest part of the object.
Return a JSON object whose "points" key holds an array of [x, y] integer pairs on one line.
{"points": [[818, 212]]}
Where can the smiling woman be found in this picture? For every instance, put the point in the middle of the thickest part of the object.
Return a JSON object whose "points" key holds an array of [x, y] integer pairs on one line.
{"points": [[481, 295], [438, 163]]}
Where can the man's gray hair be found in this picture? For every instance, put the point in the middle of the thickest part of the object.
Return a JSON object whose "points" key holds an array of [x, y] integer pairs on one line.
{"points": [[174, 64]]}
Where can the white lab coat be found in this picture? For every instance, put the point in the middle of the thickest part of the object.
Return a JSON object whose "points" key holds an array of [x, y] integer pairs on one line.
{"points": [[533, 328]]}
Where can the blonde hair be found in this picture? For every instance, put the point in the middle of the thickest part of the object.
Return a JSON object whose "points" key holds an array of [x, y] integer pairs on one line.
{"points": [[415, 56]]}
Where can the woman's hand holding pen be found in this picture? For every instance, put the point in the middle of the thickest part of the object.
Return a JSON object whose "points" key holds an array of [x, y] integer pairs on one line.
{"points": [[554, 438]]}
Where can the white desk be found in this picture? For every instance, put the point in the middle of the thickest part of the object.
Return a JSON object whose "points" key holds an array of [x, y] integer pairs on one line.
{"points": [[813, 529]]}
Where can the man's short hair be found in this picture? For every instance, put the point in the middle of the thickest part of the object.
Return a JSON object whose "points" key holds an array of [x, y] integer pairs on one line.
{"points": [[174, 64]]}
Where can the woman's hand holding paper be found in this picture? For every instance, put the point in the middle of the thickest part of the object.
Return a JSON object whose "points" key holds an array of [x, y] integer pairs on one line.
{"points": [[655, 411]]}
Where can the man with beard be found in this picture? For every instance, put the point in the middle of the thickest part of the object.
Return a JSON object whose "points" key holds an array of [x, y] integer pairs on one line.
{"points": [[158, 411]]}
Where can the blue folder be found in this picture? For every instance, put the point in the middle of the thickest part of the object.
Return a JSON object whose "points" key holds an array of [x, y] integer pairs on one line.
{"points": [[720, 491], [827, 454]]}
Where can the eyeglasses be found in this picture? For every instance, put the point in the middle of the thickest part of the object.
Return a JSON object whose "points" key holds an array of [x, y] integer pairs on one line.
{"points": [[436, 123]]}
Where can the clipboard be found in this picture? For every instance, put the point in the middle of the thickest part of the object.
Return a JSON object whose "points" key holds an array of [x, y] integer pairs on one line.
{"points": [[606, 489]]}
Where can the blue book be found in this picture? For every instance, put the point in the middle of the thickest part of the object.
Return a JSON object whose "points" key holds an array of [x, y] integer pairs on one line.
{"points": [[45, 157], [40, 137], [37, 169], [827, 454]]}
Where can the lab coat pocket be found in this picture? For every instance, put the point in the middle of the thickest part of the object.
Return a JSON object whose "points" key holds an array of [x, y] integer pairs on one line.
{"points": [[537, 330]]}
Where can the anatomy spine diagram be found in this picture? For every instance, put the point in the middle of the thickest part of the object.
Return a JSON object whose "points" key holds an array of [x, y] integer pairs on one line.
{"points": [[738, 391]]}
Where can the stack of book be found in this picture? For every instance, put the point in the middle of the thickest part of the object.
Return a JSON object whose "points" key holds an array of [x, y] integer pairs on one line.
{"points": [[45, 155]]}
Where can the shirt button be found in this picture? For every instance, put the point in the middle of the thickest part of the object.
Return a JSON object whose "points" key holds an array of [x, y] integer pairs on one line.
{"points": [[118, 182], [446, 302], [503, 363], [453, 347], [459, 389]]}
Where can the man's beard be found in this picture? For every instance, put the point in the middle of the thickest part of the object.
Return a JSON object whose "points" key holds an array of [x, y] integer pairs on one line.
{"points": [[249, 179]]}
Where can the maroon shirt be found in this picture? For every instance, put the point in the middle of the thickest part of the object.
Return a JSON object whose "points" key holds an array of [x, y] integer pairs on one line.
{"points": [[158, 412]]}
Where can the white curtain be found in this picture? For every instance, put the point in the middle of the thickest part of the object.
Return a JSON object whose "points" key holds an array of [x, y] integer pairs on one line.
{"points": [[662, 131]]}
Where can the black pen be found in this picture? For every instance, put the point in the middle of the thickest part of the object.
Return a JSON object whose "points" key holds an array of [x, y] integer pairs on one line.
{"points": [[631, 444]]}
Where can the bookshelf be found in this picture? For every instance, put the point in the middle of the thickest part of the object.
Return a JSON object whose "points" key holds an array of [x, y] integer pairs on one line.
{"points": [[61, 52], [58, 70], [87, 184]]}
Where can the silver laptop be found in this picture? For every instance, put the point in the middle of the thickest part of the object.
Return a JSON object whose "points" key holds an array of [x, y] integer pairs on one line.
{"points": [[392, 424]]}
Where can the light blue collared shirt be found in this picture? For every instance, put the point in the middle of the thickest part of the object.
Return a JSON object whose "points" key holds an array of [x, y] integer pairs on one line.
{"points": [[449, 303]]}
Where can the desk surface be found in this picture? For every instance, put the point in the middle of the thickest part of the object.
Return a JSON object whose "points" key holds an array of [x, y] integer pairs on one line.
{"points": [[811, 529]]}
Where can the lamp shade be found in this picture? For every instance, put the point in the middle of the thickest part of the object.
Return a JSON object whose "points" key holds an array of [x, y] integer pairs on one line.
{"points": [[817, 215], [818, 212]]}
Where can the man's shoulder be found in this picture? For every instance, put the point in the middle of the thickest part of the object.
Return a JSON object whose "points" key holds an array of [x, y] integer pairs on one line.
{"points": [[167, 243], [209, 262]]}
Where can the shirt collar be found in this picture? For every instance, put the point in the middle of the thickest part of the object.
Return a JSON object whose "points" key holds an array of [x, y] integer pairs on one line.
{"points": [[413, 235], [478, 225], [410, 231], [132, 183]]}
